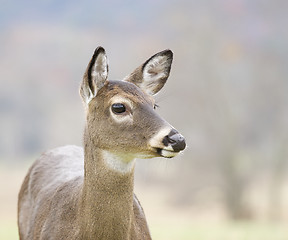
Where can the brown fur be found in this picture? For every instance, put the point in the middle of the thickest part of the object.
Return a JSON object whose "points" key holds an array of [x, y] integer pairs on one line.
{"points": [[73, 194]]}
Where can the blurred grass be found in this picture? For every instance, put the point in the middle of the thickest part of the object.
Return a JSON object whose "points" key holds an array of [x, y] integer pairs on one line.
{"points": [[197, 231], [222, 231], [165, 222], [8, 231]]}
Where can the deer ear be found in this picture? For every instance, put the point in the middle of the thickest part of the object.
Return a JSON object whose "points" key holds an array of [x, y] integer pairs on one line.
{"points": [[95, 76], [153, 74]]}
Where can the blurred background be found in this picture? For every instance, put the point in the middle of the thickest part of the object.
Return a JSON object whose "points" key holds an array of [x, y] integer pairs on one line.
{"points": [[227, 94]]}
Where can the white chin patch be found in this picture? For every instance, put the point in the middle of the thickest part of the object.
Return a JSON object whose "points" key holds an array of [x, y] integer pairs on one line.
{"points": [[167, 154]]}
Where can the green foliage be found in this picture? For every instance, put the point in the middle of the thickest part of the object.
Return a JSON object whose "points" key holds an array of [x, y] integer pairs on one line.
{"points": [[211, 231]]}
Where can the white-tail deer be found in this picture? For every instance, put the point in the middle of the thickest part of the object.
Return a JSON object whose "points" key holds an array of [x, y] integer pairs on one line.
{"points": [[71, 193]]}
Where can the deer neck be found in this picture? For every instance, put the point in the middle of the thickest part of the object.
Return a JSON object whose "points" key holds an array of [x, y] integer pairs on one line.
{"points": [[107, 195]]}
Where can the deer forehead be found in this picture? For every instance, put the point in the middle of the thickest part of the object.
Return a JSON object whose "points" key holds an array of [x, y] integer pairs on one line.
{"points": [[126, 93]]}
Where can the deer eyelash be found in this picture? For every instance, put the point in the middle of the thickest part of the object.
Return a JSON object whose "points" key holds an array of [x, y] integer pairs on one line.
{"points": [[156, 106]]}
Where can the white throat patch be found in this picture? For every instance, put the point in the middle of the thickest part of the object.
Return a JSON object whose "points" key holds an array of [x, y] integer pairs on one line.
{"points": [[118, 163]]}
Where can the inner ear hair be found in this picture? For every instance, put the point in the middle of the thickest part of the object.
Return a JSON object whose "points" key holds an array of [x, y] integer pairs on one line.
{"points": [[152, 75], [156, 71], [98, 70], [158, 66], [95, 75]]}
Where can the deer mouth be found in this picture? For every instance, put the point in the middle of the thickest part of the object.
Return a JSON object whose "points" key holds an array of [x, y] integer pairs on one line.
{"points": [[166, 153]]}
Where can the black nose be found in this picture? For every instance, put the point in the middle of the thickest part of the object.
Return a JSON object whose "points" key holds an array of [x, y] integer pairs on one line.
{"points": [[175, 140]]}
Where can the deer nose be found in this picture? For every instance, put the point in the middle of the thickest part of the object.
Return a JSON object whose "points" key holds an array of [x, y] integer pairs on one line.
{"points": [[175, 140]]}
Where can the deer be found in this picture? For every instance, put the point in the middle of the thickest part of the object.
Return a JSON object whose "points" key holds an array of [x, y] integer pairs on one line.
{"points": [[72, 192]]}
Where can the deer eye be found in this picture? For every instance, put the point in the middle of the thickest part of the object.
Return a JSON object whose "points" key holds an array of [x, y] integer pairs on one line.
{"points": [[118, 108]]}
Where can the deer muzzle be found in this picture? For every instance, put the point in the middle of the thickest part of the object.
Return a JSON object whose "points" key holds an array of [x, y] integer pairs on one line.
{"points": [[175, 140]]}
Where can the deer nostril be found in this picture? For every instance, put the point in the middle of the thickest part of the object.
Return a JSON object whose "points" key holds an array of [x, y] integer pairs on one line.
{"points": [[175, 140], [166, 140]]}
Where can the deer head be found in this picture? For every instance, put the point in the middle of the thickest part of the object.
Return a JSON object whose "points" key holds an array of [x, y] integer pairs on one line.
{"points": [[121, 116]]}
